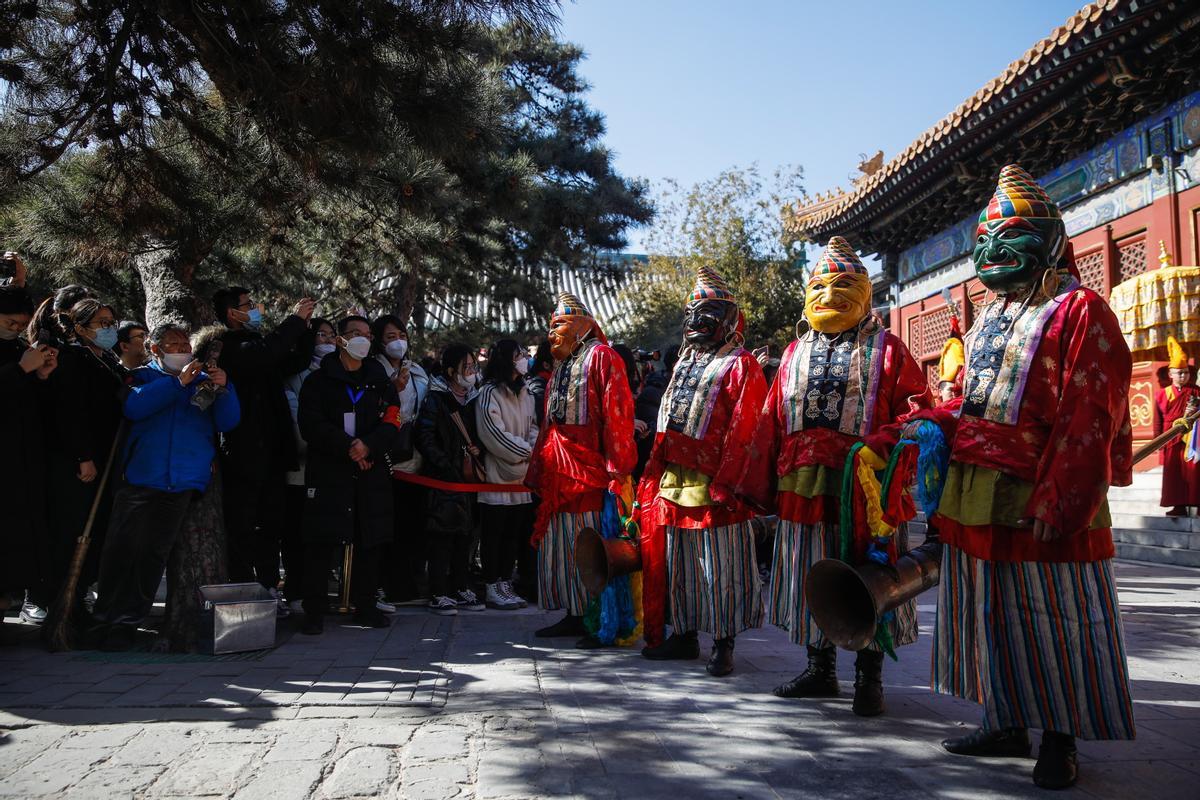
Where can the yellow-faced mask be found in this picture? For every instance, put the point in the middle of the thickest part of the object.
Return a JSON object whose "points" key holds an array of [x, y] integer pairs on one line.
{"points": [[836, 302]]}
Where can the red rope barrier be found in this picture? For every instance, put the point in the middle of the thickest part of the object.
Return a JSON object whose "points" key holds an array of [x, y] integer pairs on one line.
{"points": [[446, 486]]}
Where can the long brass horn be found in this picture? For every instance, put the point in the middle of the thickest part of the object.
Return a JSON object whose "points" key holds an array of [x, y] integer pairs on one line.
{"points": [[846, 602], [599, 560]]}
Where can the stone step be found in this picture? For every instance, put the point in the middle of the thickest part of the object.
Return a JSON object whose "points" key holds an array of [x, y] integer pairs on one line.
{"points": [[1157, 522], [1179, 540], [1180, 557]]}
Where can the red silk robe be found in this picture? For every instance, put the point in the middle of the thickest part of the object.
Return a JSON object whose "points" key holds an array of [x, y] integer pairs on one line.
{"points": [[774, 452], [1181, 479], [1072, 439], [721, 454], [573, 464]]}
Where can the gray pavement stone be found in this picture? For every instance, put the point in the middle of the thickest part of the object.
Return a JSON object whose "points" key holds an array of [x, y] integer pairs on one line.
{"points": [[305, 745], [115, 781], [211, 769], [49, 773], [361, 771], [281, 781]]}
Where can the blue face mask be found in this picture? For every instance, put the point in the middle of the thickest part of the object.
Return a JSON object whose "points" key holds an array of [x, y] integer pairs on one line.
{"points": [[255, 321], [105, 338]]}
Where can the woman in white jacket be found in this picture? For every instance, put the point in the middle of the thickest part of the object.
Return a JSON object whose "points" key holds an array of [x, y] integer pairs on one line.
{"points": [[504, 416]]}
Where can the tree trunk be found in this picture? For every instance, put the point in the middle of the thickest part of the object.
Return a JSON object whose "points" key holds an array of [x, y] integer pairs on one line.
{"points": [[197, 559], [166, 277], [405, 294]]}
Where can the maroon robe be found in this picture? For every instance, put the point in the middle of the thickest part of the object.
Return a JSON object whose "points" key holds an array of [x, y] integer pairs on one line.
{"points": [[1181, 479]]}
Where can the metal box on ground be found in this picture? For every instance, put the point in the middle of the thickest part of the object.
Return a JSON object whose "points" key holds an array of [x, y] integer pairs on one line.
{"points": [[236, 617]]}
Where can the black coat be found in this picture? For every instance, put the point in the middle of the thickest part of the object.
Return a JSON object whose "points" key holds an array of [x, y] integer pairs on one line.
{"points": [[442, 449], [264, 441], [22, 470], [343, 503], [85, 393]]}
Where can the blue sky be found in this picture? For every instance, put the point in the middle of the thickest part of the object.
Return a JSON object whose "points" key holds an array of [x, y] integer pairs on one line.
{"points": [[691, 88]]}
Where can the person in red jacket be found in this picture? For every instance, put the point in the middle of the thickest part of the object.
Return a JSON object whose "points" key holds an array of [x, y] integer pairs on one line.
{"points": [[697, 543], [1181, 478], [1028, 624], [846, 380], [585, 448]]}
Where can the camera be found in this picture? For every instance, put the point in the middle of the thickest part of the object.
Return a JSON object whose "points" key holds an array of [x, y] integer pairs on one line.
{"points": [[646, 356], [207, 394]]}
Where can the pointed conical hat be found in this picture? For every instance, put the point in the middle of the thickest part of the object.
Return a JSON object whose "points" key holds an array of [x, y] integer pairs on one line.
{"points": [[1177, 357], [711, 286], [1019, 195], [839, 256], [569, 305]]}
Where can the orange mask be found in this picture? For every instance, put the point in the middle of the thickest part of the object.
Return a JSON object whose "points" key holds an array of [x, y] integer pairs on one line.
{"points": [[837, 301], [566, 332]]}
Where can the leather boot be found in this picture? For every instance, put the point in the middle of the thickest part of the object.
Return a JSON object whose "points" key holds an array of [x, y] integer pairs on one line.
{"points": [[567, 626], [819, 680], [868, 683], [677, 647], [1058, 762], [1004, 743], [720, 663]]}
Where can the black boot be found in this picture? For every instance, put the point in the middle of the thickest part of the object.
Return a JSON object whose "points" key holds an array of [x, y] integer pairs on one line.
{"points": [[1004, 743], [371, 618], [567, 626], [868, 683], [819, 680], [314, 625], [720, 663], [1058, 762], [677, 647]]}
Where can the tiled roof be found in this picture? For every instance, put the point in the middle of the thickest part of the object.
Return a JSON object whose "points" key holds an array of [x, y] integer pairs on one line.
{"points": [[809, 217]]}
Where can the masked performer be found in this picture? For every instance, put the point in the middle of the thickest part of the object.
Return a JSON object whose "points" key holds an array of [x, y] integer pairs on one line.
{"points": [[1181, 478], [847, 380], [692, 523], [585, 449], [1027, 622]]}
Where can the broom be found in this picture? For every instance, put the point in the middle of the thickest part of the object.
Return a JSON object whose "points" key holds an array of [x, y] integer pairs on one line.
{"points": [[58, 630]]}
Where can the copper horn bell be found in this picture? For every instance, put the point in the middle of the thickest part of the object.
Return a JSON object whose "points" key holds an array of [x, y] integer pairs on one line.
{"points": [[847, 602], [599, 560]]}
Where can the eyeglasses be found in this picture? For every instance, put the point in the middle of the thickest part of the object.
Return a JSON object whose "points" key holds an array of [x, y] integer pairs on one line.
{"points": [[102, 323]]}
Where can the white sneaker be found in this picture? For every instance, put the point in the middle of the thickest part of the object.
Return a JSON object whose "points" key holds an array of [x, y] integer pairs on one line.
{"points": [[381, 602], [466, 599], [32, 613], [282, 609], [507, 590], [496, 598], [440, 604]]}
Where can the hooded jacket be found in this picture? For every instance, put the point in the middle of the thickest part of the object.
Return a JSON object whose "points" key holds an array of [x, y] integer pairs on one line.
{"points": [[172, 443]]}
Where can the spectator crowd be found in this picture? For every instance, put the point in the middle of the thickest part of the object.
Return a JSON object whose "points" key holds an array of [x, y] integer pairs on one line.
{"points": [[322, 433]]}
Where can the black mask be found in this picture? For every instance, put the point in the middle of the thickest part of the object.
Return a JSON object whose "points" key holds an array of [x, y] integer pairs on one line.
{"points": [[707, 322]]}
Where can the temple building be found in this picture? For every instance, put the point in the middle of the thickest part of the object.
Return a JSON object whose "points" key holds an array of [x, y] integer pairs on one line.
{"points": [[1104, 112]]}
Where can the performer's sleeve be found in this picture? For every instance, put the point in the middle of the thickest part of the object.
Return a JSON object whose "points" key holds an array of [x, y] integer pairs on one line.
{"points": [[750, 392], [908, 399], [760, 478], [620, 451], [1079, 462]]}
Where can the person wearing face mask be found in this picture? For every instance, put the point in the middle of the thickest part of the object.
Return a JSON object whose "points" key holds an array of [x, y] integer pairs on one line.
{"points": [[24, 370], [349, 419], [258, 454], [84, 395], [504, 418], [845, 381], [404, 564], [168, 459], [446, 439], [292, 544], [585, 453]]}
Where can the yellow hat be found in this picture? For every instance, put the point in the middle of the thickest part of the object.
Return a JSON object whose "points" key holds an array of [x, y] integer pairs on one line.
{"points": [[1175, 354], [951, 362]]}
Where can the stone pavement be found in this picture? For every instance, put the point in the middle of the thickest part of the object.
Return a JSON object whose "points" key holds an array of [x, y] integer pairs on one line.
{"points": [[475, 707]]}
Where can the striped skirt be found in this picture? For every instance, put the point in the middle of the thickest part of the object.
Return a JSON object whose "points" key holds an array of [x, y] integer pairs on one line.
{"points": [[1038, 645], [797, 548], [558, 580], [712, 578]]}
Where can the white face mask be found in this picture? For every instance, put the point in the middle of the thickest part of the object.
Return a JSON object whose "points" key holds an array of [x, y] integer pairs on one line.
{"points": [[467, 382], [358, 347], [7, 336], [397, 348], [322, 350], [175, 362], [522, 366]]}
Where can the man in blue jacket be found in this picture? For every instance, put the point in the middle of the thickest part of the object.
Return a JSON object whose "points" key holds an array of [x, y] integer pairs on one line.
{"points": [[167, 462]]}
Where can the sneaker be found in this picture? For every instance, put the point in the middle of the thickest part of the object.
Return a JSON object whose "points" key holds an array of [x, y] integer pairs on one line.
{"points": [[466, 599], [506, 589], [381, 603], [440, 604], [496, 597], [32, 612], [282, 609]]}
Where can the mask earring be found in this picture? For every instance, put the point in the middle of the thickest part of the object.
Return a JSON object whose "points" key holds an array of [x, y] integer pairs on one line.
{"points": [[735, 338], [801, 328], [1050, 283]]}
